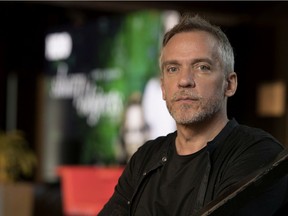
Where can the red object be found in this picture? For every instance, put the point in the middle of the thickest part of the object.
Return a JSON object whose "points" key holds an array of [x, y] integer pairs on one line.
{"points": [[85, 189]]}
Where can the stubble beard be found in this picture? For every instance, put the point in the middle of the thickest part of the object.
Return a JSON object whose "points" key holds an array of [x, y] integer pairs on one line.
{"points": [[199, 111]]}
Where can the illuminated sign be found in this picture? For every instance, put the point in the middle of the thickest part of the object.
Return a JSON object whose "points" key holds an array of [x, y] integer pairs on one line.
{"points": [[89, 99]]}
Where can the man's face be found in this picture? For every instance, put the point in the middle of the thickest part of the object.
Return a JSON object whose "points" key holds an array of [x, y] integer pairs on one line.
{"points": [[193, 80]]}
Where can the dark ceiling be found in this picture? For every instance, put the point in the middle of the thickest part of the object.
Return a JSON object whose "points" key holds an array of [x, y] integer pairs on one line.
{"points": [[236, 10]]}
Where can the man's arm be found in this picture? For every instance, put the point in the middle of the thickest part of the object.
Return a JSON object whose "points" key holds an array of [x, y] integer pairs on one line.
{"points": [[118, 203], [263, 193]]}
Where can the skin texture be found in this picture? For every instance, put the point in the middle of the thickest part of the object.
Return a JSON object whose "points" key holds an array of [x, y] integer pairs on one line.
{"points": [[195, 88]]}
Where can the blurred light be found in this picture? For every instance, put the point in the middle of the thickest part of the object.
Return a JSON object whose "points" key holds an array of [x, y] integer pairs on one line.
{"points": [[58, 46], [271, 99], [11, 102], [171, 18]]}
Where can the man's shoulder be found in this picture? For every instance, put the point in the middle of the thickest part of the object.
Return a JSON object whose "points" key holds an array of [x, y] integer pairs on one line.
{"points": [[245, 139], [158, 144], [151, 152], [250, 135]]}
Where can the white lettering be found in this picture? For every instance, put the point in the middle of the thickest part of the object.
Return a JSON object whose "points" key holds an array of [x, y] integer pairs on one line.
{"points": [[89, 99]]}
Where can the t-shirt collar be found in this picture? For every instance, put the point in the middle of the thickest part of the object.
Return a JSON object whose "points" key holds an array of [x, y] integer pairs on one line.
{"points": [[231, 124]]}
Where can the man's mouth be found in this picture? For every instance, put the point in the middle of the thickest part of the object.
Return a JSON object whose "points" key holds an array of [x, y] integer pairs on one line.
{"points": [[179, 97], [186, 99]]}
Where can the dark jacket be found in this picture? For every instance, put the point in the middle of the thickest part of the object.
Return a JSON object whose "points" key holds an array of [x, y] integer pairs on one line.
{"points": [[236, 152]]}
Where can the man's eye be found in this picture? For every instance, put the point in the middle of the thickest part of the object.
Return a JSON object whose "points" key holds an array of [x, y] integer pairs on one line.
{"points": [[172, 69], [204, 68]]}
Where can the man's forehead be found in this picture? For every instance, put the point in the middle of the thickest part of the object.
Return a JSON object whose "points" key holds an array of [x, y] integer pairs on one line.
{"points": [[205, 35], [188, 43]]}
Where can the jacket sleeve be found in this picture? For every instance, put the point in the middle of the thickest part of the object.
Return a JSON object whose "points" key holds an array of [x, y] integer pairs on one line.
{"points": [[255, 157], [118, 204], [269, 202]]}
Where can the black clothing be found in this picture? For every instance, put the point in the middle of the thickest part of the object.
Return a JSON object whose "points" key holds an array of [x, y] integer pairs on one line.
{"points": [[176, 177], [236, 152]]}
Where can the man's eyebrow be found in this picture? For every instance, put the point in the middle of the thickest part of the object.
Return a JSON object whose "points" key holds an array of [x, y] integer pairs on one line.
{"points": [[208, 60], [170, 62]]}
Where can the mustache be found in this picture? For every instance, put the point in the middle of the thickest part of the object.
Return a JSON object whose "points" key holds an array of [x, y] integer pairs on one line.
{"points": [[185, 95]]}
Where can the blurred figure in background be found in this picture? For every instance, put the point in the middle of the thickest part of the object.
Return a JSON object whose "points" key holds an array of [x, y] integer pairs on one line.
{"points": [[134, 129], [156, 115]]}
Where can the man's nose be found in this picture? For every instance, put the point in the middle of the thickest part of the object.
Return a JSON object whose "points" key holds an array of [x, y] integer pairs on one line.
{"points": [[186, 79]]}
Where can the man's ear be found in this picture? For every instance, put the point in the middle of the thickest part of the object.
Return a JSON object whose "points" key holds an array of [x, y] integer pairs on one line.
{"points": [[231, 85]]}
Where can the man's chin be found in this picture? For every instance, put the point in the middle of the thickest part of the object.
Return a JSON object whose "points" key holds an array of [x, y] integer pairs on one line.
{"points": [[186, 121]]}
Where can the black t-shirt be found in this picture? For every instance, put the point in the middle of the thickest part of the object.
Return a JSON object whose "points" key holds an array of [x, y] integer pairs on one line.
{"points": [[173, 189]]}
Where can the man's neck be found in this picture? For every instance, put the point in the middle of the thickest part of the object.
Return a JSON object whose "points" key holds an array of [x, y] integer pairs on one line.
{"points": [[194, 137]]}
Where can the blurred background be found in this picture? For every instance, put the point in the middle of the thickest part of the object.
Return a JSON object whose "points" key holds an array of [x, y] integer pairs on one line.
{"points": [[80, 80]]}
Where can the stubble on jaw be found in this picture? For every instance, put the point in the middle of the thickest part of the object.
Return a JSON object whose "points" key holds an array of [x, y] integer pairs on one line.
{"points": [[196, 112]]}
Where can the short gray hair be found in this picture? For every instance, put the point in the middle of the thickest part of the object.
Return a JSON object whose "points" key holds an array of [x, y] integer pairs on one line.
{"points": [[189, 23]]}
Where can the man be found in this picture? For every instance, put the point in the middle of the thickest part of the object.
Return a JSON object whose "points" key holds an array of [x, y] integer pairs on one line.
{"points": [[208, 154]]}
